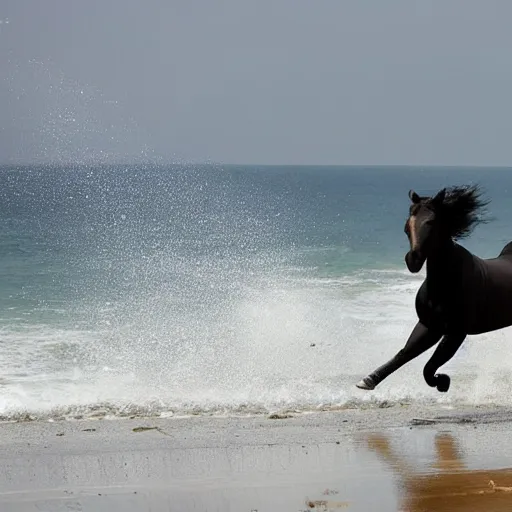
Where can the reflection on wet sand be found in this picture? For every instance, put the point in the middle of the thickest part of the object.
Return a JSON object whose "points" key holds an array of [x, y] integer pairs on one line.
{"points": [[451, 486]]}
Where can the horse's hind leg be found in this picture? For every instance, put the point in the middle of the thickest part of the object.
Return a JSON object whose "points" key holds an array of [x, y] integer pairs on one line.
{"points": [[443, 353], [421, 339]]}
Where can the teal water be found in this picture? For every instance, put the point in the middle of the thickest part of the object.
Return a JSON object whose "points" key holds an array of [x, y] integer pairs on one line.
{"points": [[178, 289]]}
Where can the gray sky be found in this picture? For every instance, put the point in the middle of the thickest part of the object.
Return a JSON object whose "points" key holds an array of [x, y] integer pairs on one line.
{"points": [[259, 81]]}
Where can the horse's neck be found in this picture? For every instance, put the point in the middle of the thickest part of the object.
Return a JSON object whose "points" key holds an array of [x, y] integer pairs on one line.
{"points": [[443, 266]]}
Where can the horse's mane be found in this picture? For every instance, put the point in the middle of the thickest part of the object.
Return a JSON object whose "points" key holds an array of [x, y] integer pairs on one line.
{"points": [[462, 210]]}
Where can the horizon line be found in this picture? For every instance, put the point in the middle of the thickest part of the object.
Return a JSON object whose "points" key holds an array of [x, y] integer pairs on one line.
{"points": [[234, 164]]}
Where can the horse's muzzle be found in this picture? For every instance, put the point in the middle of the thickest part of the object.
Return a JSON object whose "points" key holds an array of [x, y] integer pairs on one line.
{"points": [[414, 261]]}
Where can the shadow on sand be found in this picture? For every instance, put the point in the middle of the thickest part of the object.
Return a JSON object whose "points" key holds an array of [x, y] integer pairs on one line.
{"points": [[449, 486]]}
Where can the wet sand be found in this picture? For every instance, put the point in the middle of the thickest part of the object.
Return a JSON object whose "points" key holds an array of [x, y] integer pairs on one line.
{"points": [[355, 460]]}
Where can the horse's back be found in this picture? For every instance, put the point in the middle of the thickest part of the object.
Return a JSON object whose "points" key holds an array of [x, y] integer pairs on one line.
{"points": [[506, 252]]}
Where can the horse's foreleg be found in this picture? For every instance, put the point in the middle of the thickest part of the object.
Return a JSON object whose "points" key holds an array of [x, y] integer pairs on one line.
{"points": [[421, 339], [443, 353]]}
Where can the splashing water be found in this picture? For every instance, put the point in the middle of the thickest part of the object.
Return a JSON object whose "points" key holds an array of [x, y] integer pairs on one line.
{"points": [[189, 289]]}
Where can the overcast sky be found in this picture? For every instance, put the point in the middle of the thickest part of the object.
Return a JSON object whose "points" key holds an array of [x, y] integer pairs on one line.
{"points": [[259, 81]]}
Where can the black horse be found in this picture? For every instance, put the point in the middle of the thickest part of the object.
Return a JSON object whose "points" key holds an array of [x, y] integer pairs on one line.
{"points": [[462, 293]]}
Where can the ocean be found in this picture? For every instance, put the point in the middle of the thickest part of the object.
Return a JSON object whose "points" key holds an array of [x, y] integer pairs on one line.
{"points": [[216, 289]]}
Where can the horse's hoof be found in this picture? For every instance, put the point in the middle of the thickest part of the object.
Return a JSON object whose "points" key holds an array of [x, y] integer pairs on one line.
{"points": [[366, 384], [442, 382]]}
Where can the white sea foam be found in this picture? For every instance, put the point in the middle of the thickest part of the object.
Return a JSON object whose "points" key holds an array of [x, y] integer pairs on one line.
{"points": [[289, 343]]}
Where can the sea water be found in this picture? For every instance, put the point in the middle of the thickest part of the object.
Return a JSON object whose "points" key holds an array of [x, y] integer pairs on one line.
{"points": [[211, 289]]}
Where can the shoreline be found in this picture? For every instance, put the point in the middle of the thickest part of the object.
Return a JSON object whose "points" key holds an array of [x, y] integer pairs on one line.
{"points": [[397, 410]]}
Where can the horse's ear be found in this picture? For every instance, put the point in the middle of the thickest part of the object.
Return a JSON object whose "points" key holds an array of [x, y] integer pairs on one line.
{"points": [[439, 198], [415, 198]]}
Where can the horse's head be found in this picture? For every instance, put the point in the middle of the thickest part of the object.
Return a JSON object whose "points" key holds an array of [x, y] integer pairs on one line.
{"points": [[422, 228], [450, 215]]}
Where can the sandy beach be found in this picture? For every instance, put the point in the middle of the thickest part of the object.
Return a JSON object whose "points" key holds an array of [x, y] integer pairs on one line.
{"points": [[395, 459]]}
